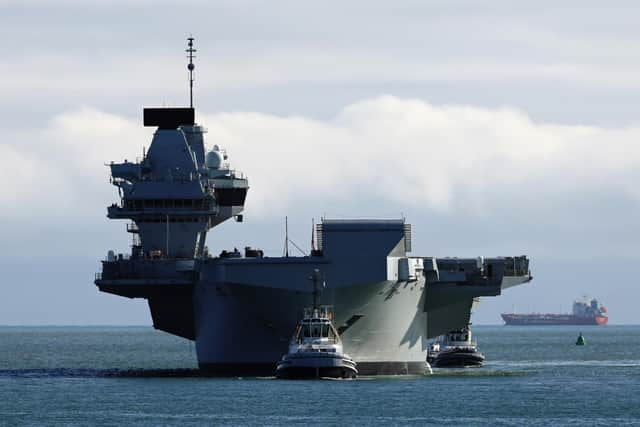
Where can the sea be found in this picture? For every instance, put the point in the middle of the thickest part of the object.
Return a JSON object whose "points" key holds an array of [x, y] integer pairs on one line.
{"points": [[136, 376]]}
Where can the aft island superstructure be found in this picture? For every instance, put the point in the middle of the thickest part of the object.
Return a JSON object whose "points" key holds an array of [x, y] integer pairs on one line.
{"points": [[240, 307]]}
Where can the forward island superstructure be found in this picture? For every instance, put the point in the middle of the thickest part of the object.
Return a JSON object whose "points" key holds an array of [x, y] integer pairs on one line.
{"points": [[240, 307]]}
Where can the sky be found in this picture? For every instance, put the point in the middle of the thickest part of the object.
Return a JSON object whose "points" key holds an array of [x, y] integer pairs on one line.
{"points": [[493, 127]]}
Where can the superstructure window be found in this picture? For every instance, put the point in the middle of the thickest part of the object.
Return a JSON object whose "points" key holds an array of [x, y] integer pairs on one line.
{"points": [[315, 330], [325, 330], [306, 331]]}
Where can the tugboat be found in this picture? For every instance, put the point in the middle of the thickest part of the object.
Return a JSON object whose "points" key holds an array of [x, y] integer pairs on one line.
{"points": [[315, 350], [455, 349]]}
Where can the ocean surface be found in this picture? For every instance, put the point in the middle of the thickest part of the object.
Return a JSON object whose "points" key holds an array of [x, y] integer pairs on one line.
{"points": [[115, 376]]}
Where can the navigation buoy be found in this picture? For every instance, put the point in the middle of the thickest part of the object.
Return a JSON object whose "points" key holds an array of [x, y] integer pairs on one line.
{"points": [[580, 340]]}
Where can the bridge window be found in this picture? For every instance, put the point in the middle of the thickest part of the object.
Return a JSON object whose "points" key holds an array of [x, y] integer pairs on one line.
{"points": [[306, 331], [325, 330], [315, 330]]}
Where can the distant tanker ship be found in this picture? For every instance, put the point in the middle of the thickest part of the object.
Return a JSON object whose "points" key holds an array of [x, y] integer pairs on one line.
{"points": [[584, 313]]}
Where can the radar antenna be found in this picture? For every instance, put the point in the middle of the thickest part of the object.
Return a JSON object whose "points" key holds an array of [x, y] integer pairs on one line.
{"points": [[191, 66]]}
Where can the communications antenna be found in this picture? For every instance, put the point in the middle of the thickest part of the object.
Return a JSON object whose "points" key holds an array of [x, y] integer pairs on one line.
{"points": [[191, 66]]}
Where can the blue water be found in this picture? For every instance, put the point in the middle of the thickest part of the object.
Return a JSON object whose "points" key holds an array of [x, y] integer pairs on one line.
{"points": [[137, 376]]}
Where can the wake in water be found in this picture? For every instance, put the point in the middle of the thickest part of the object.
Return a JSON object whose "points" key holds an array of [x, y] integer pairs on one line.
{"points": [[101, 373], [568, 363], [477, 372], [196, 373]]}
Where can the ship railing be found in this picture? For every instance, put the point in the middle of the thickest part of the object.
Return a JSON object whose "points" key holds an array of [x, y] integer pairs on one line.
{"points": [[176, 177], [460, 344], [516, 266], [145, 256], [236, 174], [323, 312], [162, 205], [181, 178], [116, 258]]}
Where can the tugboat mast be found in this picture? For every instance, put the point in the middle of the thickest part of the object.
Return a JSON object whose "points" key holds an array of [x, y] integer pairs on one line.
{"points": [[191, 66], [315, 278]]}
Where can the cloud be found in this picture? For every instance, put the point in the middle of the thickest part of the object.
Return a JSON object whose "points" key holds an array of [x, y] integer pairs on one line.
{"points": [[60, 169], [442, 158], [263, 67], [489, 166]]}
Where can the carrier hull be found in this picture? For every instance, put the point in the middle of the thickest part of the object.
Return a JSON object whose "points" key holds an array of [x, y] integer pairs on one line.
{"points": [[241, 312], [388, 337]]}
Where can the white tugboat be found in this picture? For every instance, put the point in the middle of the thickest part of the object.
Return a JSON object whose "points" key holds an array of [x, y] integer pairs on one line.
{"points": [[455, 349], [315, 350]]}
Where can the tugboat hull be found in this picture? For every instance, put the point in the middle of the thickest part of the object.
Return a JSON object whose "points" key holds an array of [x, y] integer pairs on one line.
{"points": [[319, 365], [458, 359]]}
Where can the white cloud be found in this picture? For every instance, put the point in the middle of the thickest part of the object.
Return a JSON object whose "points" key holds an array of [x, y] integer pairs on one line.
{"points": [[377, 157], [442, 158], [59, 170], [401, 150], [16, 167], [225, 70]]}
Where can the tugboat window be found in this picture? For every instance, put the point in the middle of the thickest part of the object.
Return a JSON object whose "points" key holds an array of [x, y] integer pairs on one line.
{"points": [[315, 331], [305, 331], [325, 330]]}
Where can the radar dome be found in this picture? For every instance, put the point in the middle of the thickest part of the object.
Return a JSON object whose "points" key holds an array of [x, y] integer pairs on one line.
{"points": [[213, 160]]}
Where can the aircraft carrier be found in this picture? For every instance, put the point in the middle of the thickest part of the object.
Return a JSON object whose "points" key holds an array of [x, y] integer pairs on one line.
{"points": [[240, 308]]}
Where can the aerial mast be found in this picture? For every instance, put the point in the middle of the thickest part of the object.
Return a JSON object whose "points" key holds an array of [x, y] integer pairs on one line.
{"points": [[191, 66], [315, 278]]}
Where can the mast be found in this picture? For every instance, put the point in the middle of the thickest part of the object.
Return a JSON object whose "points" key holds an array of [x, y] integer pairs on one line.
{"points": [[318, 284], [315, 278], [191, 66], [286, 237]]}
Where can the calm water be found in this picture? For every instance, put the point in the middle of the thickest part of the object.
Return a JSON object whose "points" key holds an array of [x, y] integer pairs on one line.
{"points": [[137, 376]]}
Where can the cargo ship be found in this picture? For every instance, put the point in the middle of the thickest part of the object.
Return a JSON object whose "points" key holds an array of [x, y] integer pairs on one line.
{"points": [[583, 313]]}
